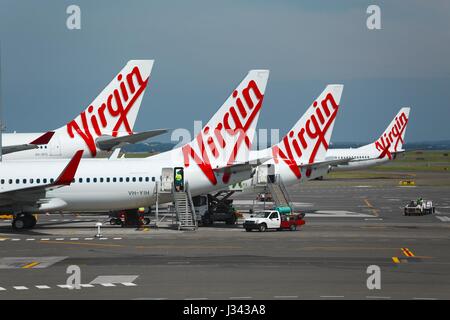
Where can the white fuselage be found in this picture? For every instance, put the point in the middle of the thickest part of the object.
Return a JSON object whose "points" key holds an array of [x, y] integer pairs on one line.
{"points": [[113, 184], [361, 158], [279, 169], [60, 146]]}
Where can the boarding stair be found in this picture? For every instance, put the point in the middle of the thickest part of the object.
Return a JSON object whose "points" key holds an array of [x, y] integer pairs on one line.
{"points": [[279, 193], [184, 209]]}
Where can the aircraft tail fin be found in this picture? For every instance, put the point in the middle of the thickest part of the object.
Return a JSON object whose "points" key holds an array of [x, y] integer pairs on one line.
{"points": [[226, 138], [308, 141], [392, 139], [114, 111]]}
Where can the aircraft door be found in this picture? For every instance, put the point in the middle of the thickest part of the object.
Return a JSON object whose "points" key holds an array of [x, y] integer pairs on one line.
{"points": [[179, 178], [266, 173], [167, 179], [55, 146]]}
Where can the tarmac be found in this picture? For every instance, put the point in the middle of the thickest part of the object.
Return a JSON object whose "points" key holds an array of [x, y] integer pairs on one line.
{"points": [[350, 225]]}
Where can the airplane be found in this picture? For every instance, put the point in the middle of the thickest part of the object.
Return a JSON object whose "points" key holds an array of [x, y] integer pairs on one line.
{"points": [[107, 122], [300, 155], [386, 148], [217, 157]]}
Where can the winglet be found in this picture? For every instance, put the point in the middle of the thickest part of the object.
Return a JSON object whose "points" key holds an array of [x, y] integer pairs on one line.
{"points": [[44, 139], [67, 175]]}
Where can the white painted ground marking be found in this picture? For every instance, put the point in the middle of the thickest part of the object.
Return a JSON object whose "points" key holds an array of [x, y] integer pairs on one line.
{"points": [[86, 285], [443, 219], [103, 238], [239, 298], [331, 297], [285, 297], [20, 288], [43, 287], [114, 279], [54, 220], [45, 239], [108, 284], [2, 289], [373, 219], [72, 239], [424, 299], [31, 239], [129, 284], [88, 238], [3, 239], [59, 239], [65, 286], [196, 299], [117, 238], [15, 239], [377, 297], [337, 214]]}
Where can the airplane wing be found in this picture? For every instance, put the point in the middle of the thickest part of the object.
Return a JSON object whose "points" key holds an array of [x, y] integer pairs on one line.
{"points": [[33, 194], [107, 143], [43, 139], [240, 167]]}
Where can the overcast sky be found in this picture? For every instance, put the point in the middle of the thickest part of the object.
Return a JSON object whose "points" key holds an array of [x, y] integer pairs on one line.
{"points": [[203, 49]]}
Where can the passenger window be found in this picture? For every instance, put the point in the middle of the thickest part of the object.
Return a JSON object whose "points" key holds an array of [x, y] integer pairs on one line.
{"points": [[107, 180], [114, 179], [2, 181], [94, 180], [10, 181], [140, 179], [80, 180], [120, 179], [127, 179], [38, 180], [24, 181], [52, 180], [101, 180], [44, 180], [88, 180], [153, 179], [134, 179], [17, 181], [31, 180]]}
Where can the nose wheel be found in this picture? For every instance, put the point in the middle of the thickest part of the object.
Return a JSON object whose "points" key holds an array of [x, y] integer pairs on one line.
{"points": [[23, 221]]}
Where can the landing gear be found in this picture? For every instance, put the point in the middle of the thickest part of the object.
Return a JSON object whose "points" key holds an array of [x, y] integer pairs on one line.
{"points": [[23, 221]]}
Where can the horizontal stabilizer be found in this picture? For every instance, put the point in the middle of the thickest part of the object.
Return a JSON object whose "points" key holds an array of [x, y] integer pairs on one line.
{"points": [[107, 143], [43, 139], [17, 148], [241, 167]]}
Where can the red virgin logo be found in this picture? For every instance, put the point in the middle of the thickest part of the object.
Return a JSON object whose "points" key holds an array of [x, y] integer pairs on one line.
{"points": [[294, 144], [235, 122], [384, 143], [115, 108]]}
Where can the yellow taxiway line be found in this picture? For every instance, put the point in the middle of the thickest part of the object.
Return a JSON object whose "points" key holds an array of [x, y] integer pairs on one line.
{"points": [[375, 212], [30, 265]]}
